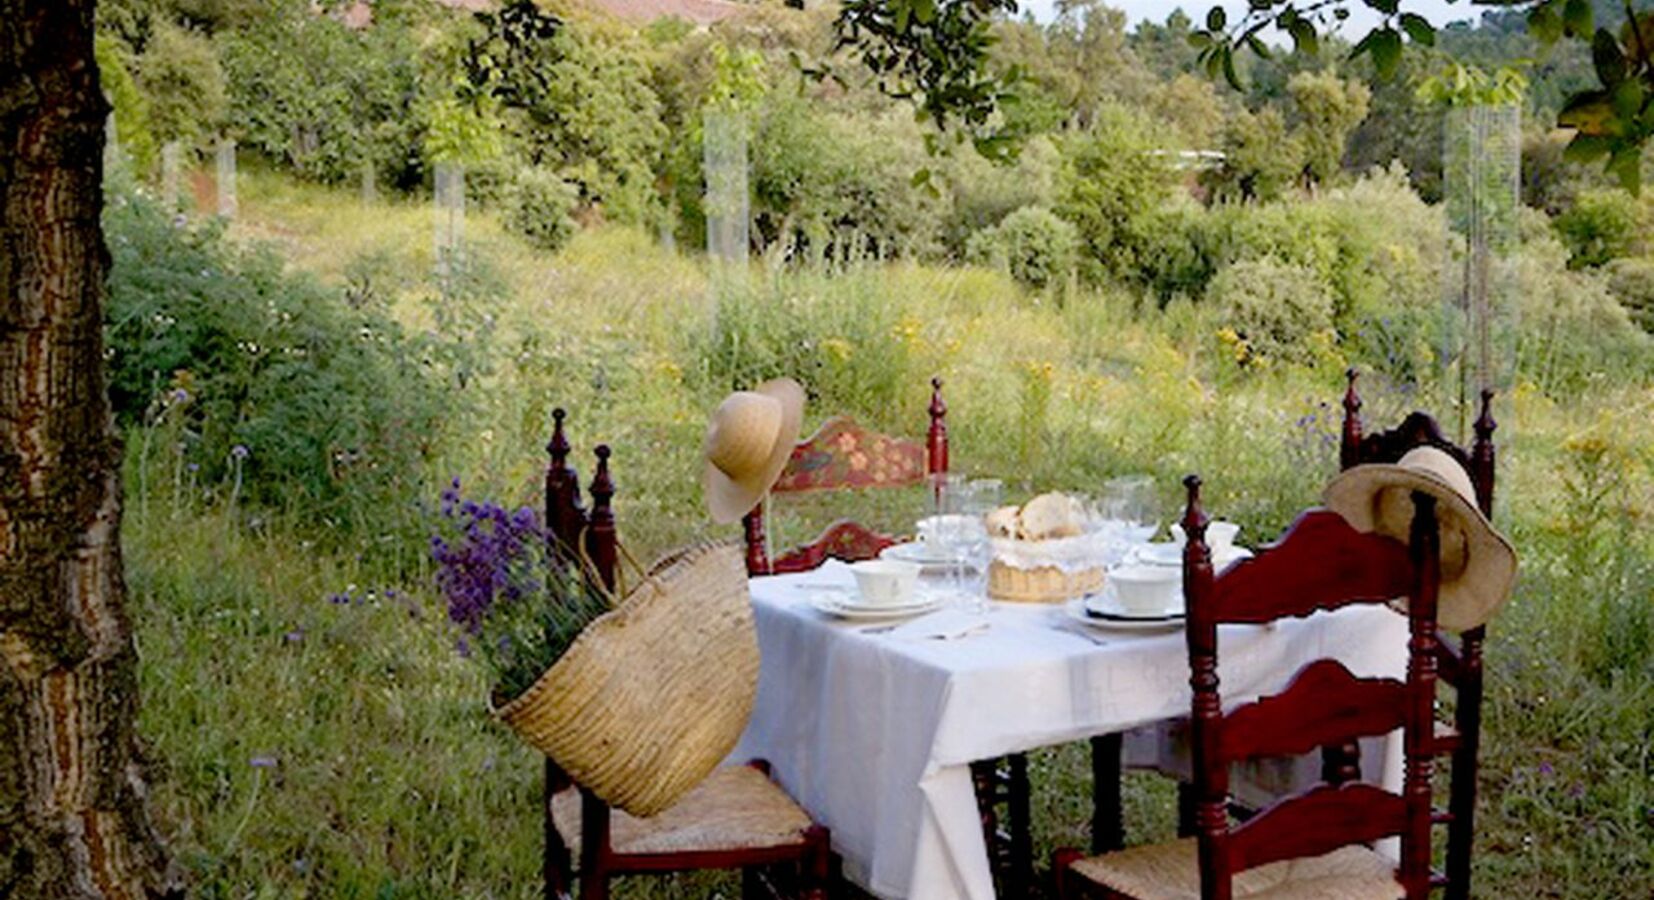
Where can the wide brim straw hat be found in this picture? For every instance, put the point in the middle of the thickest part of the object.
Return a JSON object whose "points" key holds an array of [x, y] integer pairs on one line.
{"points": [[1478, 565], [748, 442]]}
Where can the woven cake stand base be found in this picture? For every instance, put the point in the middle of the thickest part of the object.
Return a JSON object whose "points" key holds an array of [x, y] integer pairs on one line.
{"points": [[1043, 584]]}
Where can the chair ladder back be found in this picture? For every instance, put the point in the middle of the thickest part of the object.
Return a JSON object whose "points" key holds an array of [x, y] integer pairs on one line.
{"points": [[1460, 666], [1320, 563], [841, 454], [1323, 705], [1420, 429]]}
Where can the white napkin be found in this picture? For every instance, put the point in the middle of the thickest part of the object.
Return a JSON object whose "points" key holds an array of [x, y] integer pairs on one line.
{"points": [[945, 625]]}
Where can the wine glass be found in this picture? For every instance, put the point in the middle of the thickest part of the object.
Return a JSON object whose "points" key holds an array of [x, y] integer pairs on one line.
{"points": [[1132, 501]]}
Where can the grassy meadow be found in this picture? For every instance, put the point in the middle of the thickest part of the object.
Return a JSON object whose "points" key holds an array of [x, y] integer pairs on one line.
{"points": [[317, 735]]}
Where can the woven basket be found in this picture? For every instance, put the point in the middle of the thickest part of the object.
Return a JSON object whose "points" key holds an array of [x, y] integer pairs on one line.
{"points": [[653, 695]]}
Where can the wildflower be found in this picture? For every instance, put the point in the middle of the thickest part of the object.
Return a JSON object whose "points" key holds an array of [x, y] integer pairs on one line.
{"points": [[262, 762], [239, 451], [180, 395], [294, 636], [1546, 769]]}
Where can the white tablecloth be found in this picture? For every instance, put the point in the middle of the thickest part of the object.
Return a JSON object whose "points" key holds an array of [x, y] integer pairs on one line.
{"points": [[873, 733]]}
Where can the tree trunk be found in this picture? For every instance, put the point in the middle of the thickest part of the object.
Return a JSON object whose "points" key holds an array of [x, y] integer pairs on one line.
{"points": [[73, 812]]}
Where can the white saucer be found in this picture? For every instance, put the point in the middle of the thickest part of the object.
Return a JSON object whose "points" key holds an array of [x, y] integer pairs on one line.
{"points": [[917, 552], [842, 607], [1101, 610], [1169, 554]]}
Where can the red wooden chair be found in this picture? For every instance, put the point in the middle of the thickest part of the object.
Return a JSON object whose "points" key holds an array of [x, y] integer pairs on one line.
{"points": [[1309, 844], [1460, 661], [840, 456], [737, 818]]}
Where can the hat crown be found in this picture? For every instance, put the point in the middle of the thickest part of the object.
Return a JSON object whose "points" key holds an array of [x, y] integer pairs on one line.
{"points": [[1435, 461], [743, 431]]}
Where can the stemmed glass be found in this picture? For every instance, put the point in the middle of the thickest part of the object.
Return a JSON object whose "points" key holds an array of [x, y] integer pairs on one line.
{"points": [[963, 534], [1131, 501]]}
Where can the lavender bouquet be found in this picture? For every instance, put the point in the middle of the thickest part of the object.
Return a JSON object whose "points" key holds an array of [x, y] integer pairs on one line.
{"points": [[518, 605]]}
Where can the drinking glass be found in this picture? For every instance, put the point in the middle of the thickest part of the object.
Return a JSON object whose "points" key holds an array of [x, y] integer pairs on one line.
{"points": [[1132, 501], [963, 535]]}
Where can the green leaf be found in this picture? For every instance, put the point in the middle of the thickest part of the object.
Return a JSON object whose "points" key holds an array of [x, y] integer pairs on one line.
{"points": [[1418, 29], [920, 178], [1216, 18], [1628, 99], [1229, 69], [1589, 113], [1200, 40], [1257, 46], [1586, 148], [1606, 55], [1626, 164], [1576, 18], [1384, 45], [1387, 7], [1544, 24], [1304, 39]]}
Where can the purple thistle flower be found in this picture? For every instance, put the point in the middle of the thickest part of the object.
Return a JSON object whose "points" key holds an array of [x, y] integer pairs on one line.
{"points": [[1546, 769], [262, 762], [179, 395], [294, 636], [239, 451]]}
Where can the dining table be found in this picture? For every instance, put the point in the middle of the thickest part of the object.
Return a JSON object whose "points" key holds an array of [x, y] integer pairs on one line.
{"points": [[872, 728]]}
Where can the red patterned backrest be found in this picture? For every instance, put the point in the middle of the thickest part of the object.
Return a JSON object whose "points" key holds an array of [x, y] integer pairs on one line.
{"points": [[842, 455], [1321, 563]]}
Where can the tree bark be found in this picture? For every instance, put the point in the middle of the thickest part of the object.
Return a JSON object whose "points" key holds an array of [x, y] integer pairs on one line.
{"points": [[74, 821]]}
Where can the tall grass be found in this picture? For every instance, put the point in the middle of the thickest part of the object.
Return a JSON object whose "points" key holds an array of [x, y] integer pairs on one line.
{"points": [[343, 749]]}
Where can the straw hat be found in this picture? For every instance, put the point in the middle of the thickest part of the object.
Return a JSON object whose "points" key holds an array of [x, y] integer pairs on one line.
{"points": [[1478, 566], [748, 442]]}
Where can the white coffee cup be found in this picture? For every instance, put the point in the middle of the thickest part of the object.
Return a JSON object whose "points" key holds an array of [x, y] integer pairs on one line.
{"points": [[1220, 537], [1148, 590], [886, 582]]}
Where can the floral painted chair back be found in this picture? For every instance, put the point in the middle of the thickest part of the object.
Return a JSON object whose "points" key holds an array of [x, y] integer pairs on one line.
{"points": [[842, 455]]}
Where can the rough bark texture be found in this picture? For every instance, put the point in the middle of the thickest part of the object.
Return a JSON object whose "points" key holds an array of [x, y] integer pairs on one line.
{"points": [[73, 814]]}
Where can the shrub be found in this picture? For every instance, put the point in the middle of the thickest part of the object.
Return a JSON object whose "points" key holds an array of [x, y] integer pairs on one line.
{"points": [[327, 99], [1631, 281], [262, 377], [984, 192], [131, 107], [1112, 180], [1273, 306], [1601, 225], [538, 205], [1032, 244], [184, 84]]}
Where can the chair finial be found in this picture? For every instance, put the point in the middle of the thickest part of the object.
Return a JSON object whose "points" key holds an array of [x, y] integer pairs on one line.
{"points": [[1349, 447], [559, 445], [1194, 517]]}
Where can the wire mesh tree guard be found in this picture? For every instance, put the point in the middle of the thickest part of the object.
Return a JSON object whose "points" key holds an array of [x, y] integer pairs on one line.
{"points": [[1481, 172], [724, 155]]}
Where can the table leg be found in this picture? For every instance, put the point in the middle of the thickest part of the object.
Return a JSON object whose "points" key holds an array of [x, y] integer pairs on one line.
{"points": [[1022, 826], [1108, 830]]}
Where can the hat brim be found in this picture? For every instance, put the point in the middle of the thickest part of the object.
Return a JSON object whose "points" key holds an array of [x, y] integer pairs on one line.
{"points": [[1464, 602], [728, 499]]}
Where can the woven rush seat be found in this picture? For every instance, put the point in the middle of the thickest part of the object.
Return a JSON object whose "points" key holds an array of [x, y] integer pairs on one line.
{"points": [[735, 808], [1170, 872]]}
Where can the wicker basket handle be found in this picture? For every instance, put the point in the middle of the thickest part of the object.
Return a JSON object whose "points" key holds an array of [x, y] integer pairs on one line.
{"points": [[625, 555]]}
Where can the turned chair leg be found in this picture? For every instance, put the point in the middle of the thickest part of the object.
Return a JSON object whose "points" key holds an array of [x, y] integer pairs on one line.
{"points": [[817, 865]]}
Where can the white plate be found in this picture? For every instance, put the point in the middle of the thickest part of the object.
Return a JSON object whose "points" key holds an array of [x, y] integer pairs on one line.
{"points": [[917, 552], [835, 605], [1076, 610], [1169, 554]]}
